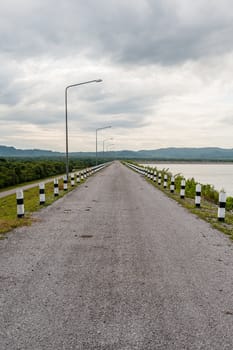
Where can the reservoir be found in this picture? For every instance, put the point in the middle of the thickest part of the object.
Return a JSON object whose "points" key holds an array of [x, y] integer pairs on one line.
{"points": [[220, 175]]}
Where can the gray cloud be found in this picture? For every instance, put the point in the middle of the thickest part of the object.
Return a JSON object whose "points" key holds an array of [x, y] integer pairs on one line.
{"points": [[125, 105], [138, 32], [162, 62]]}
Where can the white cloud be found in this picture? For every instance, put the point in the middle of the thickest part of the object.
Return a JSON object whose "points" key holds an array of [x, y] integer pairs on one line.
{"points": [[166, 67]]}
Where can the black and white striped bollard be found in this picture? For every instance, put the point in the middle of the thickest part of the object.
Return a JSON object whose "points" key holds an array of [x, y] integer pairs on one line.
{"points": [[78, 178], [72, 180], [42, 193], [172, 185], [155, 174], [65, 186], [198, 196], [222, 206], [182, 189], [20, 203], [165, 181], [159, 180], [82, 178], [55, 187]]}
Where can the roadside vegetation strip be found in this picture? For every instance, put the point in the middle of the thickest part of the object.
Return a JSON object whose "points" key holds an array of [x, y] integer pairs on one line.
{"points": [[208, 209], [8, 208], [8, 204], [19, 171]]}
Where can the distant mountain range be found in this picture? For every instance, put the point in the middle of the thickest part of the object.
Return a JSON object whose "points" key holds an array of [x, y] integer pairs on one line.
{"points": [[172, 153], [6, 151]]}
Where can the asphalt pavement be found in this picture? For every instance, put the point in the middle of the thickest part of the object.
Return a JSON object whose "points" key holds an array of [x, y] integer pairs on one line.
{"points": [[116, 265]]}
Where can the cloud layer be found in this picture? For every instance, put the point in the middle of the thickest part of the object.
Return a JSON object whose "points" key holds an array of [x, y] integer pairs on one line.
{"points": [[166, 67]]}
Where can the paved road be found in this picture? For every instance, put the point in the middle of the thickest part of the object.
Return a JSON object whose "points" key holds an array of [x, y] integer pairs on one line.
{"points": [[116, 265]]}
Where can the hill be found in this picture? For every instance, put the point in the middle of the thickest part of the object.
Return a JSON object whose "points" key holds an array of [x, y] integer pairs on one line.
{"points": [[6, 151], [171, 153]]}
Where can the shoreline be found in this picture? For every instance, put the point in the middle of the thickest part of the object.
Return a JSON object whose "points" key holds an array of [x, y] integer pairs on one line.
{"points": [[185, 162]]}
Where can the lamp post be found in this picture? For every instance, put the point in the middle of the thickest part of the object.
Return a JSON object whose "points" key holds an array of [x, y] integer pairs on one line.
{"points": [[66, 91], [96, 131], [111, 145], [111, 138]]}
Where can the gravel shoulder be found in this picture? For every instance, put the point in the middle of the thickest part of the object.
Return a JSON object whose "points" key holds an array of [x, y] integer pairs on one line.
{"points": [[115, 264]]}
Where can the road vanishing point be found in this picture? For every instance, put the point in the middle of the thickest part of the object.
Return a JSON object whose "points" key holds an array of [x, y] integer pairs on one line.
{"points": [[116, 265]]}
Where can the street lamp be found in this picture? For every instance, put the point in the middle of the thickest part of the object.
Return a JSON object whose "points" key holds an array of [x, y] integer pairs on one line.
{"points": [[96, 131], [66, 90], [110, 145], [111, 138]]}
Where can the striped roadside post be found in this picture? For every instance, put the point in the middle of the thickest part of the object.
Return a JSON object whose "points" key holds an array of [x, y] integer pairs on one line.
{"points": [[198, 196], [182, 189], [151, 174], [159, 181], [222, 206], [20, 203], [165, 181], [78, 178], [55, 187], [155, 174], [42, 193], [172, 185], [65, 186], [82, 178], [72, 179]]}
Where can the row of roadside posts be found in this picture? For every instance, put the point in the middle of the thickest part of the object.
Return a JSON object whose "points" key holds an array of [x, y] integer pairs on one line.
{"points": [[80, 176], [157, 177]]}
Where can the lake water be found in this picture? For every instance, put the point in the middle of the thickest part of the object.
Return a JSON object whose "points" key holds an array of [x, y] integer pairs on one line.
{"points": [[220, 175]]}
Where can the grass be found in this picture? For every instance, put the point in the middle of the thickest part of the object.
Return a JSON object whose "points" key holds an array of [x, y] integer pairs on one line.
{"points": [[8, 208], [29, 183], [207, 211], [209, 207]]}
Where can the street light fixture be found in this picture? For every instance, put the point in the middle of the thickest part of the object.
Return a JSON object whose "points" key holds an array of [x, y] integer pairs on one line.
{"points": [[66, 90], [96, 131], [111, 138], [110, 145]]}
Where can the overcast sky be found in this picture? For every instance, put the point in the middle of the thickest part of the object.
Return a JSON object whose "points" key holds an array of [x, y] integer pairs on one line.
{"points": [[166, 65]]}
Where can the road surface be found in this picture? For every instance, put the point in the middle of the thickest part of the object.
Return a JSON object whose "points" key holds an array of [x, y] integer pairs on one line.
{"points": [[116, 265]]}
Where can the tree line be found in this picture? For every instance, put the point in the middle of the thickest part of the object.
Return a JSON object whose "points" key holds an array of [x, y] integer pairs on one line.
{"points": [[17, 171]]}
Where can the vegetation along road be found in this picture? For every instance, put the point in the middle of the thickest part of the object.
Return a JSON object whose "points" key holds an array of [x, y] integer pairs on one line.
{"points": [[115, 264], [26, 187]]}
